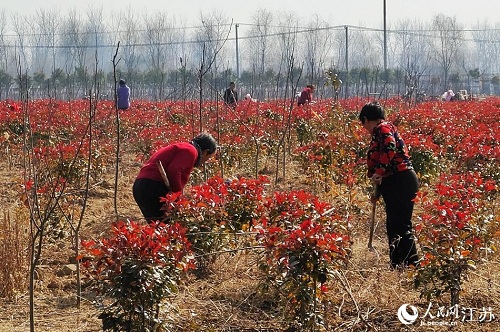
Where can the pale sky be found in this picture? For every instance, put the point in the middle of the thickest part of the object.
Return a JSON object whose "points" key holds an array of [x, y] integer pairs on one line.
{"points": [[367, 13]]}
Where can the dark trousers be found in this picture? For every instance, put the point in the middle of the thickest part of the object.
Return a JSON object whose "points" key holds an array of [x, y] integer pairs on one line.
{"points": [[147, 195], [398, 192]]}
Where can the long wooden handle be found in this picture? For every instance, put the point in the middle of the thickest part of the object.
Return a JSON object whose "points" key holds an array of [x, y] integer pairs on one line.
{"points": [[372, 227], [163, 174], [376, 194]]}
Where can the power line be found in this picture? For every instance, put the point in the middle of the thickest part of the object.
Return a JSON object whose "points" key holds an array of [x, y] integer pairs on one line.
{"points": [[291, 30], [172, 43]]}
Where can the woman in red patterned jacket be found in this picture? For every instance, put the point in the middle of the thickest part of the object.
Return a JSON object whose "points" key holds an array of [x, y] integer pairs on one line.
{"points": [[390, 168], [176, 161]]}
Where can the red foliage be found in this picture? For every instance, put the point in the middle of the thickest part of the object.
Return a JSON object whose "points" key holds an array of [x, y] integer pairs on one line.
{"points": [[161, 245]]}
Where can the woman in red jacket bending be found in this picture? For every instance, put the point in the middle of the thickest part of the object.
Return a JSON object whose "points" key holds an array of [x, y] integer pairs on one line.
{"points": [[176, 162], [306, 95]]}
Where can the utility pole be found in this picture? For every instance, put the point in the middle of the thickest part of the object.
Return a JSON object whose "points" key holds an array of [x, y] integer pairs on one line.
{"points": [[237, 53], [385, 41], [347, 61]]}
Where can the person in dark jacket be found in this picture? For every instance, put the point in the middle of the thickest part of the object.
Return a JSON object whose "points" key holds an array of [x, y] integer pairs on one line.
{"points": [[123, 95], [390, 168], [176, 161], [231, 95]]}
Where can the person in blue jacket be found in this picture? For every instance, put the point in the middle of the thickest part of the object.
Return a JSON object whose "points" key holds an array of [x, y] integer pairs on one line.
{"points": [[123, 95]]}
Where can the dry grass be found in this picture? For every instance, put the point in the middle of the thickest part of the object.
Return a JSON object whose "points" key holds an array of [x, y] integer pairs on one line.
{"points": [[14, 239], [364, 297]]}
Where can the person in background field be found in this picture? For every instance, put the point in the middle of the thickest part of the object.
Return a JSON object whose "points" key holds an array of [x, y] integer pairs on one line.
{"points": [[249, 98], [306, 95], [390, 168], [448, 95], [231, 95], [459, 96], [123, 95], [178, 161]]}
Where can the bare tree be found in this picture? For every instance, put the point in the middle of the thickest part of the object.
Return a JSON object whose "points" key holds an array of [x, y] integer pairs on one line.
{"points": [[318, 41], [46, 25], [23, 56], [74, 40], [130, 38], [3, 41], [414, 55], [363, 52], [44, 35], [258, 45], [184, 73], [449, 39], [485, 39], [339, 42], [96, 29], [287, 43], [158, 34], [212, 36], [5, 78]]}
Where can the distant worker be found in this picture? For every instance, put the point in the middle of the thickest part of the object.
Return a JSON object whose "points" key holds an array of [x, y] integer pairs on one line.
{"points": [[231, 95], [459, 96], [249, 98], [123, 95], [448, 95], [306, 95]]}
